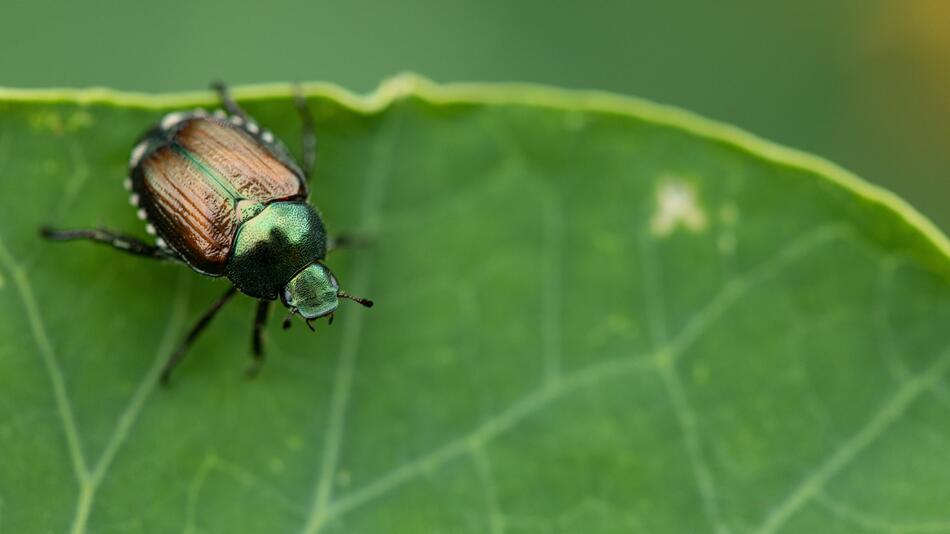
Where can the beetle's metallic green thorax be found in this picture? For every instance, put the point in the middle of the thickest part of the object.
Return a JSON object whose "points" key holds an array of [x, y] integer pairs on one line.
{"points": [[273, 246]]}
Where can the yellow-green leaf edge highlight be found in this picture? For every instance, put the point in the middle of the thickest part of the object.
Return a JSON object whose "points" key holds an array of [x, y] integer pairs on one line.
{"points": [[412, 85]]}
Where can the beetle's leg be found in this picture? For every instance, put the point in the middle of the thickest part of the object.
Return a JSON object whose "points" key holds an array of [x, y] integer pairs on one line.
{"points": [[225, 95], [336, 242], [198, 327], [341, 241], [257, 338], [125, 243], [308, 139]]}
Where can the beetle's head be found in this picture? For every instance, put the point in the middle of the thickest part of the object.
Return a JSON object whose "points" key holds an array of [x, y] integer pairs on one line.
{"points": [[314, 293]]}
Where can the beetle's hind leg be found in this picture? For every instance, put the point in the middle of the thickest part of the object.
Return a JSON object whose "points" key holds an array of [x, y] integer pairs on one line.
{"points": [[116, 240], [227, 101], [308, 139], [196, 330], [257, 338]]}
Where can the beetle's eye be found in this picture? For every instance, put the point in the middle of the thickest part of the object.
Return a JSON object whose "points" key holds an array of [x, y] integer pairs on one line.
{"points": [[336, 285]]}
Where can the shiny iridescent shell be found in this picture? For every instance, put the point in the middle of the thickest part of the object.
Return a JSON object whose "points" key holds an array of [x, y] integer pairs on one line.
{"points": [[228, 199]]}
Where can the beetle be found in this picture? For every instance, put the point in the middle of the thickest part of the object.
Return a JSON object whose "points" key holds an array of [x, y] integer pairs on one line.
{"points": [[226, 198]]}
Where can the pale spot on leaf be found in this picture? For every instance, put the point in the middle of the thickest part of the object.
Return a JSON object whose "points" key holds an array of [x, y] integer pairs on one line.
{"points": [[728, 217], [78, 120], [677, 206], [276, 465], [729, 214], [726, 243], [294, 442], [54, 122], [614, 327]]}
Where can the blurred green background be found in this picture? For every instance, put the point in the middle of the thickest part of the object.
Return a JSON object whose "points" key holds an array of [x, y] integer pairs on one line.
{"points": [[865, 83]]}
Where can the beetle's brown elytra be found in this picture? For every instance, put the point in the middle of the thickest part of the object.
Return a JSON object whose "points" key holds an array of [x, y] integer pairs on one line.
{"points": [[192, 175], [225, 197]]}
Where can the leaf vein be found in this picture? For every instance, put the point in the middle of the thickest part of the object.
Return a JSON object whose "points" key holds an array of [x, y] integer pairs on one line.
{"points": [[343, 379], [486, 477], [488, 430], [878, 524], [888, 414], [608, 370], [211, 463], [131, 412], [685, 416], [38, 330]]}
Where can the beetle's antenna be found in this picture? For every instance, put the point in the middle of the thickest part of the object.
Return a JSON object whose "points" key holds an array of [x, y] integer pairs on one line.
{"points": [[287, 322], [365, 302]]}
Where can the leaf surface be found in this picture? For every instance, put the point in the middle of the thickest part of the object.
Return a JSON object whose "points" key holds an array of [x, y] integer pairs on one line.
{"points": [[593, 314]]}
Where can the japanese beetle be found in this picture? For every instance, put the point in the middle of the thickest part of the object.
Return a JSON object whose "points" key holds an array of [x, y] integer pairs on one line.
{"points": [[225, 197]]}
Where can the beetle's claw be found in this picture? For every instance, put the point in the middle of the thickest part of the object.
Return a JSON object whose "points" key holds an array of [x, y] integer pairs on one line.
{"points": [[287, 321]]}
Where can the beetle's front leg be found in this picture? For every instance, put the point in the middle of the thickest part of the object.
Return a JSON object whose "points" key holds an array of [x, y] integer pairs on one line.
{"points": [[123, 242]]}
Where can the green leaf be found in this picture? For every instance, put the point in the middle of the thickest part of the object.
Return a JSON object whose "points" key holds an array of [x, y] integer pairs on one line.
{"points": [[594, 315]]}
